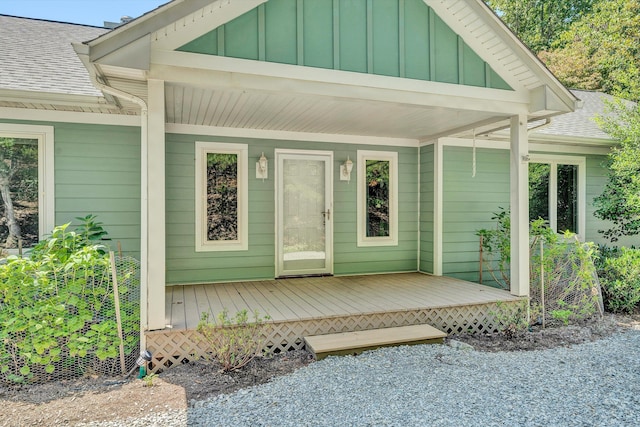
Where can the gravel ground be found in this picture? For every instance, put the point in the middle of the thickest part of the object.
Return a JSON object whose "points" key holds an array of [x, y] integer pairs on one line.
{"points": [[592, 384]]}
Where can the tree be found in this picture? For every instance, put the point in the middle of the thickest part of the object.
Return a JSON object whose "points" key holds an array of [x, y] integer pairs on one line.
{"points": [[620, 200], [601, 51], [539, 23], [18, 166]]}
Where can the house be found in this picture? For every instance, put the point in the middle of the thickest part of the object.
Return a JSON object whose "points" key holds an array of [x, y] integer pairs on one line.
{"points": [[240, 140]]}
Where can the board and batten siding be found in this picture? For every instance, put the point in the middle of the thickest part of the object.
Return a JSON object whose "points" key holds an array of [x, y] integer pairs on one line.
{"points": [[97, 171], [184, 265], [426, 207], [399, 38]]}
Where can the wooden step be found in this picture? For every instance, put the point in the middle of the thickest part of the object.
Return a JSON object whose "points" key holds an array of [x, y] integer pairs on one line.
{"points": [[356, 342]]}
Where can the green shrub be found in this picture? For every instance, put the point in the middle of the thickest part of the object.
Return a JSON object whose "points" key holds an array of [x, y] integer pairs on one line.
{"points": [[233, 341], [620, 279], [57, 306], [560, 261]]}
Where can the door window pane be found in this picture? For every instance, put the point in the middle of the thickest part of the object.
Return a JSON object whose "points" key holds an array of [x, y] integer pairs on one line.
{"points": [[377, 180], [19, 223], [539, 191], [222, 196], [305, 215], [567, 198]]}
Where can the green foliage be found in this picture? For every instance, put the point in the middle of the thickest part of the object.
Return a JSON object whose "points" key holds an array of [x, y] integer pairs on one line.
{"points": [[149, 379], [511, 318], [619, 202], [233, 341], [496, 244], [599, 51], [566, 263], [91, 230], [58, 305], [539, 23], [378, 194], [620, 279]]}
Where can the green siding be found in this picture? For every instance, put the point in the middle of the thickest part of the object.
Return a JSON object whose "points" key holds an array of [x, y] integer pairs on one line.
{"points": [[427, 205], [468, 205], [97, 171], [184, 265], [398, 38]]}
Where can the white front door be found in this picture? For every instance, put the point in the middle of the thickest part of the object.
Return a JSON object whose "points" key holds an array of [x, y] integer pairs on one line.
{"points": [[304, 213]]}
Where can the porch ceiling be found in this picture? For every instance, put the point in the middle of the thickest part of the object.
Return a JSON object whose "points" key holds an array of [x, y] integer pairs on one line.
{"points": [[234, 108]]}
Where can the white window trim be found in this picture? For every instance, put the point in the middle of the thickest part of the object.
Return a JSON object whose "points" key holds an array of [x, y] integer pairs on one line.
{"points": [[554, 161], [242, 151], [392, 158], [46, 184]]}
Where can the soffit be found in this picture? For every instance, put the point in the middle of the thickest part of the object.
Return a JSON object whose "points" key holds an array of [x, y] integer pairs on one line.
{"points": [[235, 108]]}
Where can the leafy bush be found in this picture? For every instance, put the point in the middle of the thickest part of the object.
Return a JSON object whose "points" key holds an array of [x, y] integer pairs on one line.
{"points": [[57, 307], [570, 280], [233, 341], [620, 279]]}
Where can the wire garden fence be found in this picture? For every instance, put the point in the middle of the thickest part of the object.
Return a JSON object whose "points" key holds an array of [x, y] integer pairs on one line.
{"points": [[80, 319]]}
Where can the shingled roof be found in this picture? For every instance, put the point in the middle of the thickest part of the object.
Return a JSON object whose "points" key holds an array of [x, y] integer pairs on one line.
{"points": [[37, 56], [581, 123]]}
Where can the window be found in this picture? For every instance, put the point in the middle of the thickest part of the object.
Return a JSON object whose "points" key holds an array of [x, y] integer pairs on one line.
{"points": [[221, 197], [377, 198], [26, 185], [557, 192]]}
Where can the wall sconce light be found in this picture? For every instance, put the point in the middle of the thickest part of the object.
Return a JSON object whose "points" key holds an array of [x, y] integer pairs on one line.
{"points": [[262, 168], [345, 170]]}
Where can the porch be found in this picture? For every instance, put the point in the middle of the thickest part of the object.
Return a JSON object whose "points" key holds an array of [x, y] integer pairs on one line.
{"points": [[305, 306]]}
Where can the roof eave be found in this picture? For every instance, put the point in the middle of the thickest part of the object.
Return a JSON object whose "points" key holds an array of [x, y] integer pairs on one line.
{"points": [[146, 24], [569, 99]]}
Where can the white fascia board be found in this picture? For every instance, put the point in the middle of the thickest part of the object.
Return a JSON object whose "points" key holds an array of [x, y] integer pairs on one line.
{"points": [[33, 97], [503, 34], [133, 55], [146, 24], [200, 22], [187, 129], [533, 146], [220, 72], [68, 117]]}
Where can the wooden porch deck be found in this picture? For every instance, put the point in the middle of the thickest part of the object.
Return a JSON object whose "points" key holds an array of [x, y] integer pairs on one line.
{"points": [[300, 307]]}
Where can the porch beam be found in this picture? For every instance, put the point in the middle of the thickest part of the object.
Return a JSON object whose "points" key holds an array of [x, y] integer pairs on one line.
{"points": [[154, 220], [215, 72], [519, 206]]}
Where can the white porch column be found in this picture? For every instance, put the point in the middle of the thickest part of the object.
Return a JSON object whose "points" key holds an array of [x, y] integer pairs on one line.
{"points": [[153, 215], [519, 206]]}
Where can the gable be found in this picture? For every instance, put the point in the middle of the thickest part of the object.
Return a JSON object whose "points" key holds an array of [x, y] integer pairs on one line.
{"points": [[399, 38]]}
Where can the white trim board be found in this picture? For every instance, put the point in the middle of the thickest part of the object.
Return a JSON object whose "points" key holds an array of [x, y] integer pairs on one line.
{"points": [[504, 145], [289, 136], [242, 153], [68, 117], [392, 239]]}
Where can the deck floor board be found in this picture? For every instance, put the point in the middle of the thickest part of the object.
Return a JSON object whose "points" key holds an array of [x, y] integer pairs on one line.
{"points": [[317, 297]]}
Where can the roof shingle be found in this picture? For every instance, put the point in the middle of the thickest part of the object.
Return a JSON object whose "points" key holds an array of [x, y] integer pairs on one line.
{"points": [[37, 56]]}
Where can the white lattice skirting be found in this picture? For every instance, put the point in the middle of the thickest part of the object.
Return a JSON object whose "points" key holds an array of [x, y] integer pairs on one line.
{"points": [[174, 347]]}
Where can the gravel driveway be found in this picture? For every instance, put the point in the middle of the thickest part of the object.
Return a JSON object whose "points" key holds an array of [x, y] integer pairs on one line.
{"points": [[593, 384]]}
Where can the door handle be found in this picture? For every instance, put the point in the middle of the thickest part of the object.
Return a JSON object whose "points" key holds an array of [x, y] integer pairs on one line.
{"points": [[327, 214]]}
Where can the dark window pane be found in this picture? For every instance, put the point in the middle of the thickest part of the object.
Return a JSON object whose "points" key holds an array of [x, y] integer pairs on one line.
{"points": [[568, 198], [222, 197], [18, 192], [377, 181], [539, 191]]}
